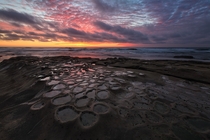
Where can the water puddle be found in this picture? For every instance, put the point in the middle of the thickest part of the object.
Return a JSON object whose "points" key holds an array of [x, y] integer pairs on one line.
{"points": [[91, 94], [102, 87], [82, 102], [92, 80], [53, 82], [113, 83], [52, 93], [60, 86], [92, 85], [88, 119], [161, 107], [83, 84], [66, 114], [115, 87], [91, 70], [66, 91], [79, 95], [103, 94], [79, 80], [100, 108], [78, 89], [61, 100], [70, 82], [37, 106]]}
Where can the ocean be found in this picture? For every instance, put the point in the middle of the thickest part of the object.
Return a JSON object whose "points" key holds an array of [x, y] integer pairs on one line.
{"points": [[195, 54]]}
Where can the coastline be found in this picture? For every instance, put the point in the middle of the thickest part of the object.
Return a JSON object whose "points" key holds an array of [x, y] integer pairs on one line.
{"points": [[181, 54], [140, 98]]}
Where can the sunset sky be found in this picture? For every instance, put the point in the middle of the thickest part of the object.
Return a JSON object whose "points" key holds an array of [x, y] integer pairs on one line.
{"points": [[104, 23]]}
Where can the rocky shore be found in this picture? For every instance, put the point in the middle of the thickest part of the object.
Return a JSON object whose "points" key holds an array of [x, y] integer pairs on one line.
{"points": [[84, 98]]}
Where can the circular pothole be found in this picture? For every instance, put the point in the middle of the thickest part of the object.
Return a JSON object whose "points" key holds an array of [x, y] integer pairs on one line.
{"points": [[78, 89], [88, 119], [100, 108], [66, 113], [61, 100], [52, 93], [103, 94], [82, 102], [59, 86]]}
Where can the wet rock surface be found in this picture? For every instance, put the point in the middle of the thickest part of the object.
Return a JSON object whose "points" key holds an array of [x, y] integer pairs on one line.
{"points": [[70, 98]]}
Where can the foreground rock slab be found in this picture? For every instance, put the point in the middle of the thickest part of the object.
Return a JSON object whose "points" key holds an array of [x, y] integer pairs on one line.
{"points": [[73, 98]]}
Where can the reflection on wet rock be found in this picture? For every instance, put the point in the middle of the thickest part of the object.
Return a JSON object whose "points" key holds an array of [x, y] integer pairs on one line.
{"points": [[53, 82], [45, 79], [60, 86], [37, 106]]}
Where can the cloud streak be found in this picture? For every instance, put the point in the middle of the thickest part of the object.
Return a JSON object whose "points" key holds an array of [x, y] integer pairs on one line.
{"points": [[12, 15], [129, 34]]}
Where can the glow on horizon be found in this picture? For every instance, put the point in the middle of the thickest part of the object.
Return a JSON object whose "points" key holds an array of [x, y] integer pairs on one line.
{"points": [[23, 43]]}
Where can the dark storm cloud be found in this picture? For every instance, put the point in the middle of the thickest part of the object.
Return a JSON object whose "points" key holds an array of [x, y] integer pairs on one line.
{"points": [[4, 31], [17, 19], [22, 35], [13, 15], [129, 34], [72, 31], [159, 39], [86, 36], [181, 21], [16, 24]]}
